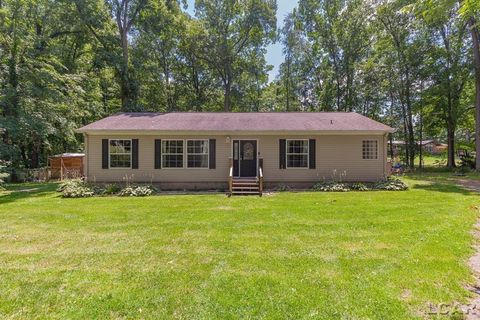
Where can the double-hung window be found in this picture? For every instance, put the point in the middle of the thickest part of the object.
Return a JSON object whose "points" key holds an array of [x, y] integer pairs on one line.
{"points": [[120, 153], [172, 153], [197, 153], [369, 149], [297, 153]]}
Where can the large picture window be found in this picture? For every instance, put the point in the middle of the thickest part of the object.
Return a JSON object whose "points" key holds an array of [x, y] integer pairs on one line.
{"points": [[297, 153], [197, 153], [120, 153], [370, 149], [172, 153]]}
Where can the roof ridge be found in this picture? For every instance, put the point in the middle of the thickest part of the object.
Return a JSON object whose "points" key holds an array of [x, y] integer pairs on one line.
{"points": [[238, 121], [231, 112]]}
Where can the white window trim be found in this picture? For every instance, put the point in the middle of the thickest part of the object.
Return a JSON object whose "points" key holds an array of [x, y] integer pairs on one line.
{"points": [[183, 154], [287, 153], [130, 154], [208, 154], [361, 150]]}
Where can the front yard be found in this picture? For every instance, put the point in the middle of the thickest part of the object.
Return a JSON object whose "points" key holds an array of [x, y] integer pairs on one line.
{"points": [[379, 255]]}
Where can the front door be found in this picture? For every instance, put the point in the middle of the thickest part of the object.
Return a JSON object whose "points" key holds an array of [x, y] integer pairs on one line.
{"points": [[244, 158]]}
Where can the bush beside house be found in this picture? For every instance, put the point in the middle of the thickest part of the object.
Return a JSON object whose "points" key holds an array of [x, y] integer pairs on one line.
{"points": [[78, 188]]}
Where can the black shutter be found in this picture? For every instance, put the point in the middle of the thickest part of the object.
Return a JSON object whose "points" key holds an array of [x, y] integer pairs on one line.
{"points": [[282, 156], [134, 153], [104, 153], [311, 151], [158, 153], [212, 152]]}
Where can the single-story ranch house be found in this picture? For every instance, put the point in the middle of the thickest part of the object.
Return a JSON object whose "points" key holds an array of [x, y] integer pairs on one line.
{"points": [[217, 150]]}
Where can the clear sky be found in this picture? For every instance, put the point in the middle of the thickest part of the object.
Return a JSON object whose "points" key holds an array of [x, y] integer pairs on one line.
{"points": [[274, 55]]}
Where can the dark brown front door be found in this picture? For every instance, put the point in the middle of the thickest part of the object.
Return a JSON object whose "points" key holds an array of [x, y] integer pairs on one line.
{"points": [[244, 158]]}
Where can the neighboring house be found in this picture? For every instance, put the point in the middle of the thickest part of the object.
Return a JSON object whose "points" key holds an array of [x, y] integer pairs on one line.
{"points": [[202, 150], [434, 147], [429, 146]]}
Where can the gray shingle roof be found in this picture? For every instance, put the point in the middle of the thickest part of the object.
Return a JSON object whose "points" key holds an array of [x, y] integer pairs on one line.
{"points": [[237, 122]]}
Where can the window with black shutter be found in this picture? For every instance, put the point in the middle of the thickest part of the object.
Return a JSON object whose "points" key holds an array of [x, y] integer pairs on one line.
{"points": [[311, 156], [282, 154], [212, 153]]}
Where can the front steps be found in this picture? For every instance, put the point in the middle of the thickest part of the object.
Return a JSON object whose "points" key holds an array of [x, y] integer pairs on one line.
{"points": [[245, 186]]}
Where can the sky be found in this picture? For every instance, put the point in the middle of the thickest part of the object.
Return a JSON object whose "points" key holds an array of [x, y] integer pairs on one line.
{"points": [[274, 55]]}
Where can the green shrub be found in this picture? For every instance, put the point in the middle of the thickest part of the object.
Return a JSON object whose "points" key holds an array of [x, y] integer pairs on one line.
{"points": [[467, 161], [75, 189], [462, 170], [136, 191], [4, 173], [331, 186], [3, 177], [358, 186], [390, 184], [77, 192], [111, 189], [69, 183], [282, 187]]}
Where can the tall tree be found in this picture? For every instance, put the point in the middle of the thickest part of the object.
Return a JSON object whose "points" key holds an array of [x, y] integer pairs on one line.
{"points": [[339, 34], [402, 39], [232, 30], [100, 18], [47, 90], [450, 70]]}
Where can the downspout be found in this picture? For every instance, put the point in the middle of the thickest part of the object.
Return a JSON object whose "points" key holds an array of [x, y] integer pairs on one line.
{"points": [[85, 162], [385, 148]]}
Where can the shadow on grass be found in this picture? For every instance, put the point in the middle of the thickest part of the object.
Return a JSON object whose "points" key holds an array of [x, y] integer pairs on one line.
{"points": [[444, 187], [19, 191]]}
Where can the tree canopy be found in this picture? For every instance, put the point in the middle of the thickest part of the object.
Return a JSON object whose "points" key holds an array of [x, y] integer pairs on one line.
{"points": [[414, 65]]}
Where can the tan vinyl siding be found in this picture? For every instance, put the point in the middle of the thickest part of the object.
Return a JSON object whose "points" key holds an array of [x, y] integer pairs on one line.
{"points": [[335, 156], [341, 154]]}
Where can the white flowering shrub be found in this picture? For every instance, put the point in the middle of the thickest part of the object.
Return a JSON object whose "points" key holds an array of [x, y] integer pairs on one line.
{"points": [[331, 186], [75, 188], [136, 191]]}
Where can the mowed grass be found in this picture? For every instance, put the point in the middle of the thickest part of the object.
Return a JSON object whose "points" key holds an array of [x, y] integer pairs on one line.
{"points": [[378, 255]]}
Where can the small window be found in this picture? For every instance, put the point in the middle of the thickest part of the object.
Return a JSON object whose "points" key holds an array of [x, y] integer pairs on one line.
{"points": [[172, 153], [370, 149], [297, 153], [197, 153], [120, 153]]}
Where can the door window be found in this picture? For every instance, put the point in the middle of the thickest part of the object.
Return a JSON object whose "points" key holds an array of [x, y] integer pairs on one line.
{"points": [[248, 151], [235, 150]]}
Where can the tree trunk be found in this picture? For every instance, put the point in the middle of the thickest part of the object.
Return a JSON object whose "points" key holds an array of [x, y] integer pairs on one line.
{"points": [[476, 54], [420, 138], [451, 146], [35, 154], [124, 89], [450, 126], [405, 139], [226, 97], [287, 86], [196, 85], [124, 77], [410, 130], [12, 99]]}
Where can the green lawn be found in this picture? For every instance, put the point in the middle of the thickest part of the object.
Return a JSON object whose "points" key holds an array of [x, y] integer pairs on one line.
{"points": [[378, 255], [435, 160]]}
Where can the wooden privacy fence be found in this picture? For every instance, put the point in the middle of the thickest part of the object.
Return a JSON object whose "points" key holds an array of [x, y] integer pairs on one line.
{"points": [[66, 166]]}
